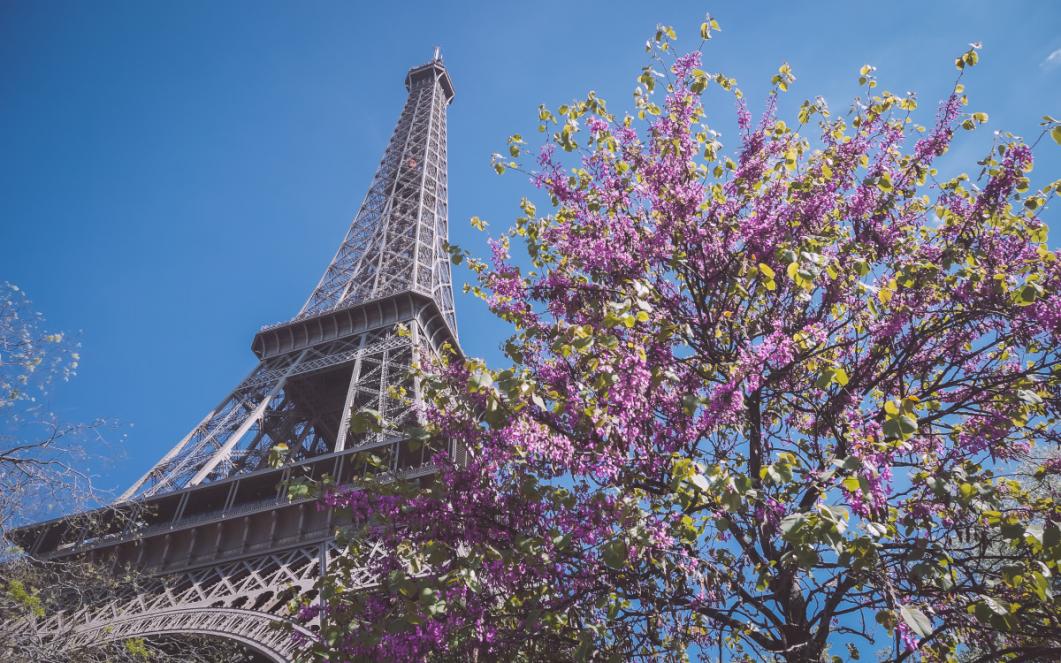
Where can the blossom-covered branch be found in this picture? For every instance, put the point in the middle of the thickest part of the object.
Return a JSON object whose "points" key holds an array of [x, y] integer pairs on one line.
{"points": [[758, 405]]}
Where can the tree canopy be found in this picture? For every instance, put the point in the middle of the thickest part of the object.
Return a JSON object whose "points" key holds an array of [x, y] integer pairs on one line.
{"points": [[794, 401]]}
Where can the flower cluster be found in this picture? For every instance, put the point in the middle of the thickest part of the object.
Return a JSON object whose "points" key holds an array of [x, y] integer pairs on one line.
{"points": [[754, 402]]}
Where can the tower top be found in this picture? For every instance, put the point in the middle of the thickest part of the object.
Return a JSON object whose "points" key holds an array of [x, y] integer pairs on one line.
{"points": [[342, 352], [432, 70], [396, 242]]}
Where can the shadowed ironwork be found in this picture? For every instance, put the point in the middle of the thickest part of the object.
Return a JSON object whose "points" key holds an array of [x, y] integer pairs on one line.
{"points": [[223, 547]]}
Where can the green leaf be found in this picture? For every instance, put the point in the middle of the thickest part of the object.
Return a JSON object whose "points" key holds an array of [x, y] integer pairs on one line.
{"points": [[1055, 133], [840, 377], [297, 490], [1029, 397], [1028, 294], [851, 463], [1035, 532], [1041, 586], [851, 483], [700, 81], [807, 557], [907, 425], [700, 481], [480, 378], [615, 553], [783, 472], [689, 404], [1051, 535], [790, 524], [995, 606], [707, 26], [918, 621], [826, 378], [366, 421], [875, 529], [278, 454]]}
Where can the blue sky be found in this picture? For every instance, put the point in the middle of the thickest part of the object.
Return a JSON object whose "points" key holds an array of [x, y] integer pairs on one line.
{"points": [[175, 175]]}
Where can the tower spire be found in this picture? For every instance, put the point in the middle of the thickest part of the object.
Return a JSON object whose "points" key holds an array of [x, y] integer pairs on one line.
{"points": [[395, 242], [341, 353]]}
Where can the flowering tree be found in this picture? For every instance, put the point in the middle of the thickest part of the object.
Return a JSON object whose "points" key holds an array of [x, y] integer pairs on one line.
{"points": [[774, 406]]}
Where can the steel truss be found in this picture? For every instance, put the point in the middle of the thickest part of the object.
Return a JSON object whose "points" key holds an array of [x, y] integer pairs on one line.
{"points": [[394, 250], [384, 302], [245, 600]]}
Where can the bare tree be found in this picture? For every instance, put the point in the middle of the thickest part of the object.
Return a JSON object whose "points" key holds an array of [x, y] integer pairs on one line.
{"points": [[43, 462], [41, 457]]}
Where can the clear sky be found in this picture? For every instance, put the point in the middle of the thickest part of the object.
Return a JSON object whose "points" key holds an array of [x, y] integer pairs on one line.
{"points": [[174, 175]]}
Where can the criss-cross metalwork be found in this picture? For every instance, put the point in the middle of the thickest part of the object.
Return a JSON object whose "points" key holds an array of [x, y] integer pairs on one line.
{"points": [[223, 546], [396, 241], [244, 600], [341, 353]]}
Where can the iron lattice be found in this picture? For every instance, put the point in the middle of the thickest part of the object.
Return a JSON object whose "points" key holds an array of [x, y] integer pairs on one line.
{"points": [[394, 248], [223, 548]]}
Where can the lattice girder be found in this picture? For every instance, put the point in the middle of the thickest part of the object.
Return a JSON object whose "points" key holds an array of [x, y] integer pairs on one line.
{"points": [[394, 250], [395, 242], [244, 600], [225, 549]]}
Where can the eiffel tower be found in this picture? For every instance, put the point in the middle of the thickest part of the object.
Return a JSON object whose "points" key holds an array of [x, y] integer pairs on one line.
{"points": [[223, 546]]}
